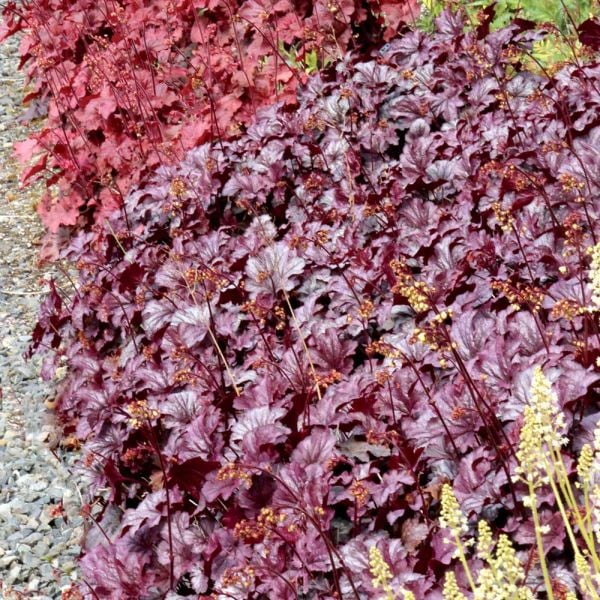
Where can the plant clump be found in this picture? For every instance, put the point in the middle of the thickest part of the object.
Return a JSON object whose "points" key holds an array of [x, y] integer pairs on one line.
{"points": [[283, 344], [124, 87]]}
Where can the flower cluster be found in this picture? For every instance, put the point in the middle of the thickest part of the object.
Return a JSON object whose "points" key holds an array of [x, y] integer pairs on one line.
{"points": [[501, 578], [381, 572], [451, 516], [595, 275], [543, 431]]}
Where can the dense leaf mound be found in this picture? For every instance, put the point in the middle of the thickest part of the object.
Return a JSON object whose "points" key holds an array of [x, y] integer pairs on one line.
{"points": [[127, 86], [282, 347]]}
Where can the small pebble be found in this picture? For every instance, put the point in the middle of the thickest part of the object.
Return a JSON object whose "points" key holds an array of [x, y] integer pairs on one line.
{"points": [[5, 561], [13, 574]]}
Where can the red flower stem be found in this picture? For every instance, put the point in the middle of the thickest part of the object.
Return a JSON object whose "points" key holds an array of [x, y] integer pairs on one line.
{"points": [[433, 405], [92, 590], [155, 443], [330, 548]]}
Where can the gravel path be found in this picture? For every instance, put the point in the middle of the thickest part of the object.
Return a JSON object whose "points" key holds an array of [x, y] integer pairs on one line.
{"points": [[40, 525]]}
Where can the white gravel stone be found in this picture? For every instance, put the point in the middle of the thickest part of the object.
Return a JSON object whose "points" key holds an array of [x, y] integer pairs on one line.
{"points": [[5, 561], [13, 574], [29, 471]]}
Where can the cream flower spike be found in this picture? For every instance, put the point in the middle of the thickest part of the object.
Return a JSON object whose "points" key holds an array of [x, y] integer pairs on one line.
{"points": [[544, 425], [381, 572], [595, 274]]}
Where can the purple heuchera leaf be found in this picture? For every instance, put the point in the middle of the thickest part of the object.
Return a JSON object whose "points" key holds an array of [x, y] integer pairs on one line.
{"points": [[273, 270], [316, 449]]}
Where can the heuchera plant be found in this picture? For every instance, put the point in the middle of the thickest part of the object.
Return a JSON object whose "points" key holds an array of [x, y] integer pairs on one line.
{"points": [[283, 346], [127, 86]]}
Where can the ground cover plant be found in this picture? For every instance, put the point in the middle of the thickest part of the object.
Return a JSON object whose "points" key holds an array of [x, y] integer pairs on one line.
{"points": [[281, 348], [287, 340], [127, 86]]}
